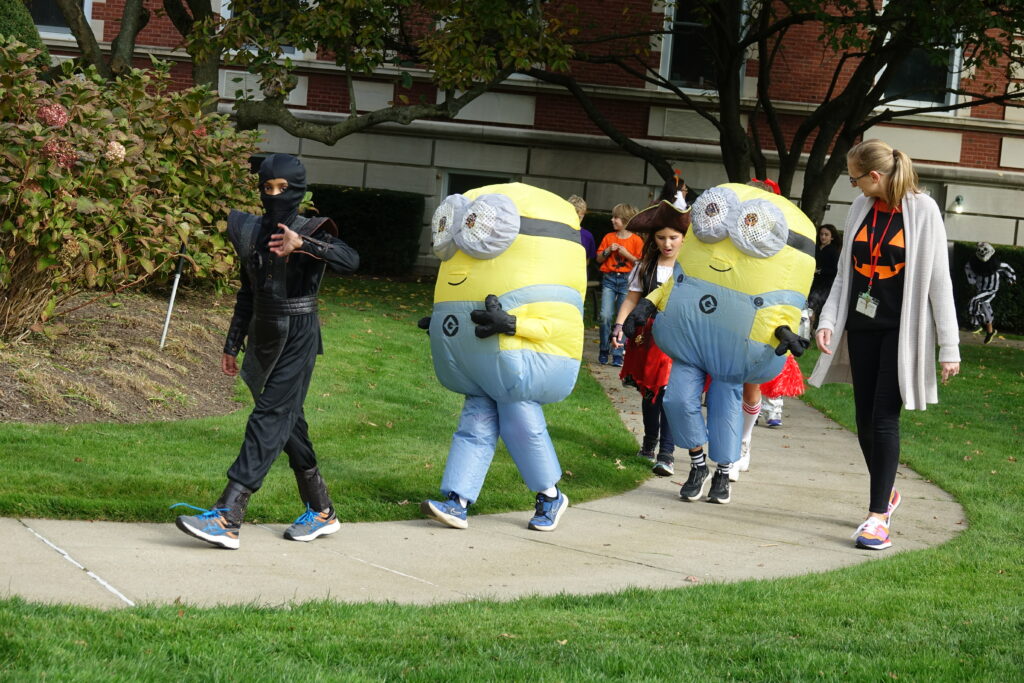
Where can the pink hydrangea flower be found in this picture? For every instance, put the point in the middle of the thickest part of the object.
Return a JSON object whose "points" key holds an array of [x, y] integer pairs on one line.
{"points": [[115, 152], [199, 131], [61, 152], [53, 115]]}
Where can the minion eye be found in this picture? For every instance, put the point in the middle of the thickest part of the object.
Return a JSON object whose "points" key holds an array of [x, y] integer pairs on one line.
{"points": [[446, 221], [760, 230], [713, 213], [489, 226]]}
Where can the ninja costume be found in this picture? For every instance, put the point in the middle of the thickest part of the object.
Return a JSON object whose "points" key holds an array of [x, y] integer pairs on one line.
{"points": [[276, 309]]}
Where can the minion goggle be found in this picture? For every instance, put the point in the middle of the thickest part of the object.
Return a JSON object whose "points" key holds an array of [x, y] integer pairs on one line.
{"points": [[757, 227], [486, 227]]}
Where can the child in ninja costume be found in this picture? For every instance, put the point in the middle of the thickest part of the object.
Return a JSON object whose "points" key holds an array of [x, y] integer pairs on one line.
{"points": [[283, 258], [506, 331], [729, 311]]}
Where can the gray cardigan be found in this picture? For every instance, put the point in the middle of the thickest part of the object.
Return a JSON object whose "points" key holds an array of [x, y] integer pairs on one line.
{"points": [[928, 314]]}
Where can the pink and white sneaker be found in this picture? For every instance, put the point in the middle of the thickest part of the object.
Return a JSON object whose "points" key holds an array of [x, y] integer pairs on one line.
{"points": [[873, 534]]}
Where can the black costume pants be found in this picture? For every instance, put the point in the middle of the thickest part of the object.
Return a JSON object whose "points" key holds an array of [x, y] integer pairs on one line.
{"points": [[277, 422], [656, 429], [878, 402]]}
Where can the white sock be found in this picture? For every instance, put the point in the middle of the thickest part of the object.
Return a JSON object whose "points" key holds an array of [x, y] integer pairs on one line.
{"points": [[551, 492], [750, 413], [463, 502]]}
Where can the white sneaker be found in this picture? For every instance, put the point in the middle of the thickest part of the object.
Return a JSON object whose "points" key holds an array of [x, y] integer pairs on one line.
{"points": [[744, 463], [741, 465]]}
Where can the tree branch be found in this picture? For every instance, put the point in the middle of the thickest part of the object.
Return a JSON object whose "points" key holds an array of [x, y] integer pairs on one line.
{"points": [[86, 39], [133, 20], [660, 163], [272, 110]]}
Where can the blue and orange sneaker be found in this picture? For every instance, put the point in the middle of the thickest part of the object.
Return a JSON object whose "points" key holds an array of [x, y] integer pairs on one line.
{"points": [[873, 534], [211, 526], [312, 524], [548, 510], [450, 512]]}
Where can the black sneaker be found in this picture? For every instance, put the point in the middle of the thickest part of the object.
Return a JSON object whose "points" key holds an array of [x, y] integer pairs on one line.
{"points": [[646, 453], [989, 336], [719, 492], [664, 467], [694, 485]]}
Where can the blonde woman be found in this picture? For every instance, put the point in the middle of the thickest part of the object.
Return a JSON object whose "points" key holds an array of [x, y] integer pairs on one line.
{"points": [[890, 305]]}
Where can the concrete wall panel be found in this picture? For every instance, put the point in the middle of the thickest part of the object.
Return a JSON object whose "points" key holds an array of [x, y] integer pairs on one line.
{"points": [[404, 178], [398, 149], [470, 156], [333, 172], [921, 145], [613, 168], [275, 139]]}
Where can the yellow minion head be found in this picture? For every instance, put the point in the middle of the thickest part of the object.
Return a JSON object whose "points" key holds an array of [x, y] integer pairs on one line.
{"points": [[749, 240], [500, 238]]}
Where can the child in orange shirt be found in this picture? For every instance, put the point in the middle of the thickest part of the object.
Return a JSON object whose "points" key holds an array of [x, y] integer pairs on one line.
{"points": [[618, 252]]}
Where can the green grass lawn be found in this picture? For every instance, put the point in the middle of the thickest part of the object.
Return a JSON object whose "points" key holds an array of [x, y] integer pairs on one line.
{"points": [[950, 613], [379, 419]]}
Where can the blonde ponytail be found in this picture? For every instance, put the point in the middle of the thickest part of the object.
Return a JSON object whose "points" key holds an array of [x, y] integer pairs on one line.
{"points": [[896, 166]]}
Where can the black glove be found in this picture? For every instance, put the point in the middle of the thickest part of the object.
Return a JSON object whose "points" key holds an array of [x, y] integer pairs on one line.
{"points": [[638, 318], [493, 320], [424, 324], [788, 341]]}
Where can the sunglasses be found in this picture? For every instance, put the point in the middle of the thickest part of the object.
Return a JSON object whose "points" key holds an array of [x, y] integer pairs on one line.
{"points": [[854, 179]]}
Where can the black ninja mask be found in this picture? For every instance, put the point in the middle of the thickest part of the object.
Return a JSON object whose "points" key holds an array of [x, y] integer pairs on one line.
{"points": [[284, 207]]}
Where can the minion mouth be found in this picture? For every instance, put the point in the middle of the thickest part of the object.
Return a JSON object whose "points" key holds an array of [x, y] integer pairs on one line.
{"points": [[456, 284], [720, 270]]}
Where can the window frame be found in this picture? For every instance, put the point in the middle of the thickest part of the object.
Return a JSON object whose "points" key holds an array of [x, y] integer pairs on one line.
{"points": [[48, 32], [954, 73], [668, 44]]}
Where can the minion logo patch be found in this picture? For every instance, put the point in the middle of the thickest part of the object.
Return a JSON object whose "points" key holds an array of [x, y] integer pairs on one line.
{"points": [[708, 304], [450, 326]]}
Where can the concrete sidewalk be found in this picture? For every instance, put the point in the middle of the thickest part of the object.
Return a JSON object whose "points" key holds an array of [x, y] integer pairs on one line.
{"points": [[791, 514]]}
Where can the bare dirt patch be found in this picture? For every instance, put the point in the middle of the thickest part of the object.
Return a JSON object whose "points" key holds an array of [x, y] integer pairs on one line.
{"points": [[102, 363]]}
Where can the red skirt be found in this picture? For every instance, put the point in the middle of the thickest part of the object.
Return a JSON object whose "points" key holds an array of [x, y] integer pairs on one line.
{"points": [[645, 366], [789, 382]]}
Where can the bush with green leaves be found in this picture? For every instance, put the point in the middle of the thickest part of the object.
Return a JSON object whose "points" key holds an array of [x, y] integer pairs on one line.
{"points": [[383, 226], [102, 181], [16, 23]]}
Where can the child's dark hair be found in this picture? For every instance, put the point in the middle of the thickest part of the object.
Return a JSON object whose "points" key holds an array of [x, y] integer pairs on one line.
{"points": [[648, 271]]}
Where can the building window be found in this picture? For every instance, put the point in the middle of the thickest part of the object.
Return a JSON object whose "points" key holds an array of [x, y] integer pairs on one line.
{"points": [[920, 80], [47, 15], [460, 183], [686, 53]]}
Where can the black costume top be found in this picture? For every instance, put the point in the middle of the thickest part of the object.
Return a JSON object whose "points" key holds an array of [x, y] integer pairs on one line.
{"points": [[879, 258], [276, 288]]}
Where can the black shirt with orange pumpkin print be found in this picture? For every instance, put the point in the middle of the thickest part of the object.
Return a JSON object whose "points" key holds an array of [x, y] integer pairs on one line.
{"points": [[878, 246]]}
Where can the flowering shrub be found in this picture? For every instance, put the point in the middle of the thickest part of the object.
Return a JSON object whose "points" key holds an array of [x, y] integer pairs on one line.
{"points": [[100, 182]]}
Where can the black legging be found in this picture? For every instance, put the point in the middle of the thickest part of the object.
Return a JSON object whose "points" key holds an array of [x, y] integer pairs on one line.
{"points": [[656, 429], [877, 399]]}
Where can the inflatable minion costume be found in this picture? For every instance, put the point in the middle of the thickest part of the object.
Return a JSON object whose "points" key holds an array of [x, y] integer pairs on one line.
{"points": [[729, 311], [506, 331]]}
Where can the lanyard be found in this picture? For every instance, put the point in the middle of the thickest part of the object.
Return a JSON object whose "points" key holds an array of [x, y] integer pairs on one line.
{"points": [[875, 248]]}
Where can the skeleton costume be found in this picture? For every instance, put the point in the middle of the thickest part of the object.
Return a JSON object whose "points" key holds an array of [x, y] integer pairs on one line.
{"points": [[985, 275], [276, 309]]}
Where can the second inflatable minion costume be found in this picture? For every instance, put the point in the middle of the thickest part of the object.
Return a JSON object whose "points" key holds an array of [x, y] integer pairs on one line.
{"points": [[507, 331], [730, 310]]}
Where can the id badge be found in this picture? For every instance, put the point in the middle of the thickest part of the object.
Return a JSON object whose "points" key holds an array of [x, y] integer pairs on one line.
{"points": [[867, 304]]}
